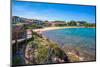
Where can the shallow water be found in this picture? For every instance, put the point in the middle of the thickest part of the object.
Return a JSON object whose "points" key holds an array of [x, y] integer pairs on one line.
{"points": [[83, 38]]}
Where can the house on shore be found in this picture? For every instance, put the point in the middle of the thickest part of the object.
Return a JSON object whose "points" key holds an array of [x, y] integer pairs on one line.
{"points": [[16, 19], [58, 23]]}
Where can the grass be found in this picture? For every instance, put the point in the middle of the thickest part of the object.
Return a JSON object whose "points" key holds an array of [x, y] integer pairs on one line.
{"points": [[44, 49]]}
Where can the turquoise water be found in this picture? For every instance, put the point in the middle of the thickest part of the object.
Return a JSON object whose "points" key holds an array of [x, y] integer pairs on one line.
{"points": [[83, 38]]}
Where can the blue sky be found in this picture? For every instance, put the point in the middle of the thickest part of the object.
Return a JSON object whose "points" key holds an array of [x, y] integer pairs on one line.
{"points": [[51, 12]]}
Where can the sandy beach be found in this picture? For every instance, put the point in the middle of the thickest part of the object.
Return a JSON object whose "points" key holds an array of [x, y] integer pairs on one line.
{"points": [[53, 28]]}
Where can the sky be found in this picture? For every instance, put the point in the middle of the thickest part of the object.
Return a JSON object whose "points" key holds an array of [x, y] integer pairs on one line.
{"points": [[52, 12]]}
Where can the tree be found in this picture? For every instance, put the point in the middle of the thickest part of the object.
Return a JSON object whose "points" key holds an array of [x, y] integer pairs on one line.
{"points": [[72, 23]]}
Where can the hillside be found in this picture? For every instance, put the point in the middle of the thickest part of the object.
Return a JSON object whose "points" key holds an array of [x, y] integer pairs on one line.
{"points": [[43, 51]]}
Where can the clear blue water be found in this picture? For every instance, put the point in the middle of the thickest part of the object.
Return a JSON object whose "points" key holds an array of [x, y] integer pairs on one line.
{"points": [[83, 38]]}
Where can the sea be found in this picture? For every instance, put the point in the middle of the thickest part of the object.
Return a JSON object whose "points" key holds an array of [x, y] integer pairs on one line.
{"points": [[82, 38]]}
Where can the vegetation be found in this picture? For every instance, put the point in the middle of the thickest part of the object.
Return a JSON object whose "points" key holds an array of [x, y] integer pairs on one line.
{"points": [[33, 26], [44, 52], [18, 20], [60, 21], [72, 23], [80, 23], [89, 25]]}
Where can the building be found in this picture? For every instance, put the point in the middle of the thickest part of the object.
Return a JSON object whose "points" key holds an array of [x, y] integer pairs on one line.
{"points": [[58, 23], [38, 22], [16, 19]]}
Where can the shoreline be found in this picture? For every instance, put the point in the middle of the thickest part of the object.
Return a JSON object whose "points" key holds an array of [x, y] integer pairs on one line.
{"points": [[55, 28], [52, 28]]}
